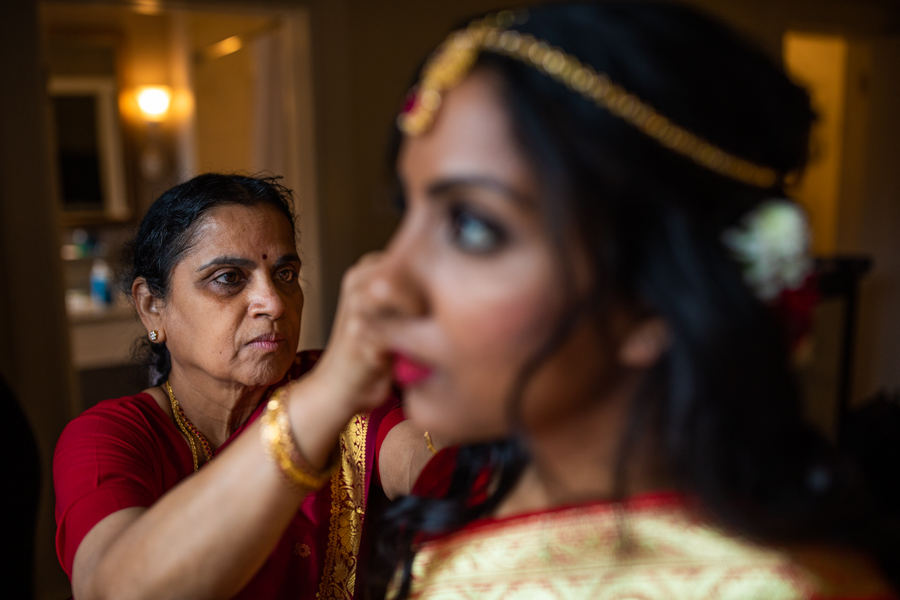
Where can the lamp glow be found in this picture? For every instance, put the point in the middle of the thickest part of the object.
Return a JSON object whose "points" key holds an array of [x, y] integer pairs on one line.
{"points": [[154, 101]]}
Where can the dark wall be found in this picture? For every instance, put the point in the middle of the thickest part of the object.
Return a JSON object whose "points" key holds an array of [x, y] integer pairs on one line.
{"points": [[33, 335]]}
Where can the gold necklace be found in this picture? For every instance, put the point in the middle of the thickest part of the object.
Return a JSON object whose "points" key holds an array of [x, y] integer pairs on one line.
{"points": [[188, 428]]}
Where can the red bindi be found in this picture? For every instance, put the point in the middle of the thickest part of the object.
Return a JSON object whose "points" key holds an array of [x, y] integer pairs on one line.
{"points": [[264, 257]]}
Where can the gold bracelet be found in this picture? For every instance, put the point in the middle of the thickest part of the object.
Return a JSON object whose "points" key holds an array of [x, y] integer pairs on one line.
{"points": [[429, 444], [278, 441]]}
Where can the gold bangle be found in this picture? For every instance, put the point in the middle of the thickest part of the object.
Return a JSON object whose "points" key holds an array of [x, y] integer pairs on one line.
{"points": [[429, 444], [278, 441]]}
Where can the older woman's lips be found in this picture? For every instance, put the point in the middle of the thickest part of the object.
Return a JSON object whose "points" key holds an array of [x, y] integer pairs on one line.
{"points": [[408, 372], [268, 342]]}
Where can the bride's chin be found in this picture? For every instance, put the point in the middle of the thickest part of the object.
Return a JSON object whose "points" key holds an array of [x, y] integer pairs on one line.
{"points": [[422, 411], [428, 414]]}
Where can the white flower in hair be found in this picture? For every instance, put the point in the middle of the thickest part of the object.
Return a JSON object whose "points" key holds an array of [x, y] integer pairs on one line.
{"points": [[772, 243]]}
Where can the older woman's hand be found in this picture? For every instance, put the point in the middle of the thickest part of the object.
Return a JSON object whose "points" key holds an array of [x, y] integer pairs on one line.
{"points": [[356, 367], [354, 374]]}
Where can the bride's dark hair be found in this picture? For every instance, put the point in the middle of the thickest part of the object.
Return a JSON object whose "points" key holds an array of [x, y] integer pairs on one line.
{"points": [[721, 403]]}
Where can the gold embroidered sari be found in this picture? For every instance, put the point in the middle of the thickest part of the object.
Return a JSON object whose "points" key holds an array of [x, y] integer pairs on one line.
{"points": [[652, 548], [348, 502]]}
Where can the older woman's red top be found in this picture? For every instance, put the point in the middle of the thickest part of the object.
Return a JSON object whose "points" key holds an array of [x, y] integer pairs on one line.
{"points": [[127, 452]]}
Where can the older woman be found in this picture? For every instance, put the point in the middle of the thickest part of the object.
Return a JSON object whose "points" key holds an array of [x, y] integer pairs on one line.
{"points": [[180, 491]]}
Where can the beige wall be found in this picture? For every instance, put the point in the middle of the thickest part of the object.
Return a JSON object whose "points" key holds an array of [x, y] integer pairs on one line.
{"points": [[224, 95], [819, 62], [870, 216]]}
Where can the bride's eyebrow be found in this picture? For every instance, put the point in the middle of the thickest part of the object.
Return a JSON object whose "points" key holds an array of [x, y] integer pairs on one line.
{"points": [[444, 187]]}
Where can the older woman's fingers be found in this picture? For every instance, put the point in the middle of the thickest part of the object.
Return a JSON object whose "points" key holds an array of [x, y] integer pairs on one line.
{"points": [[381, 289]]}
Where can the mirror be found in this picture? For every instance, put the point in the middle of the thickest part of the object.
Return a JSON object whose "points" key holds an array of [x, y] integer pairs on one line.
{"points": [[83, 88]]}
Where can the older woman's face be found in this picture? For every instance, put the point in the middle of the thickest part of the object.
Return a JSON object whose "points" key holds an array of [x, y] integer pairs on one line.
{"points": [[233, 311]]}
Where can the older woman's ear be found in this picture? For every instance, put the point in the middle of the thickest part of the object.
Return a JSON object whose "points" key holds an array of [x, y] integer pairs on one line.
{"points": [[147, 306]]}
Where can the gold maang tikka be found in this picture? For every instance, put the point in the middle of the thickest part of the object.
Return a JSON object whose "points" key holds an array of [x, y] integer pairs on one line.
{"points": [[456, 56]]}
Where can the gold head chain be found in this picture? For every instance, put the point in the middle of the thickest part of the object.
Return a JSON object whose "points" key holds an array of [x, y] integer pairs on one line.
{"points": [[454, 58]]}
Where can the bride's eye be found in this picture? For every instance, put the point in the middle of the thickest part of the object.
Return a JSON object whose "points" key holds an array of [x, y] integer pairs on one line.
{"points": [[473, 233]]}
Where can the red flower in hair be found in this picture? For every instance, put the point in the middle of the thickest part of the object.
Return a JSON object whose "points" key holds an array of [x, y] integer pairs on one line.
{"points": [[794, 309]]}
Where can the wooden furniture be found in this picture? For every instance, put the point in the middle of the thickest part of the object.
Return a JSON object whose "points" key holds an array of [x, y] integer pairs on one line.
{"points": [[839, 278]]}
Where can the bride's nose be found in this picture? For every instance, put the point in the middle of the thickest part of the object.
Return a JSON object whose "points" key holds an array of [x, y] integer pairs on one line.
{"points": [[397, 286]]}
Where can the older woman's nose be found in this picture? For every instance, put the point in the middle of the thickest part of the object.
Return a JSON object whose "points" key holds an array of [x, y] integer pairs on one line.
{"points": [[266, 299]]}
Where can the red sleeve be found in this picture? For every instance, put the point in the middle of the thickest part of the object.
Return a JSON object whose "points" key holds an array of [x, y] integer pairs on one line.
{"points": [[393, 418], [434, 480], [101, 465]]}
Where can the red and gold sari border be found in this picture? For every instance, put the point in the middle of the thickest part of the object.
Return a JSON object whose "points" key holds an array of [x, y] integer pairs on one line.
{"points": [[645, 501], [348, 504]]}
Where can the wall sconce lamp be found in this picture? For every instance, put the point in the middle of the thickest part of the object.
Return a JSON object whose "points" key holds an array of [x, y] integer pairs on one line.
{"points": [[154, 101]]}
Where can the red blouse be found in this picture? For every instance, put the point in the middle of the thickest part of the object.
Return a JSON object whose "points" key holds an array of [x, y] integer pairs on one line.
{"points": [[127, 452]]}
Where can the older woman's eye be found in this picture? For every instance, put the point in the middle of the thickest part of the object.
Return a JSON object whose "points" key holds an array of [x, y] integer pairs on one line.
{"points": [[228, 278], [287, 275], [473, 233]]}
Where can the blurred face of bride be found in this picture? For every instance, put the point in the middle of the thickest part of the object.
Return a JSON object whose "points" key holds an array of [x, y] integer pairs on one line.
{"points": [[473, 284]]}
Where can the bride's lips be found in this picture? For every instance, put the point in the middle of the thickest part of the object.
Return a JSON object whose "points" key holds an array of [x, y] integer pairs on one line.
{"points": [[267, 341], [408, 372]]}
